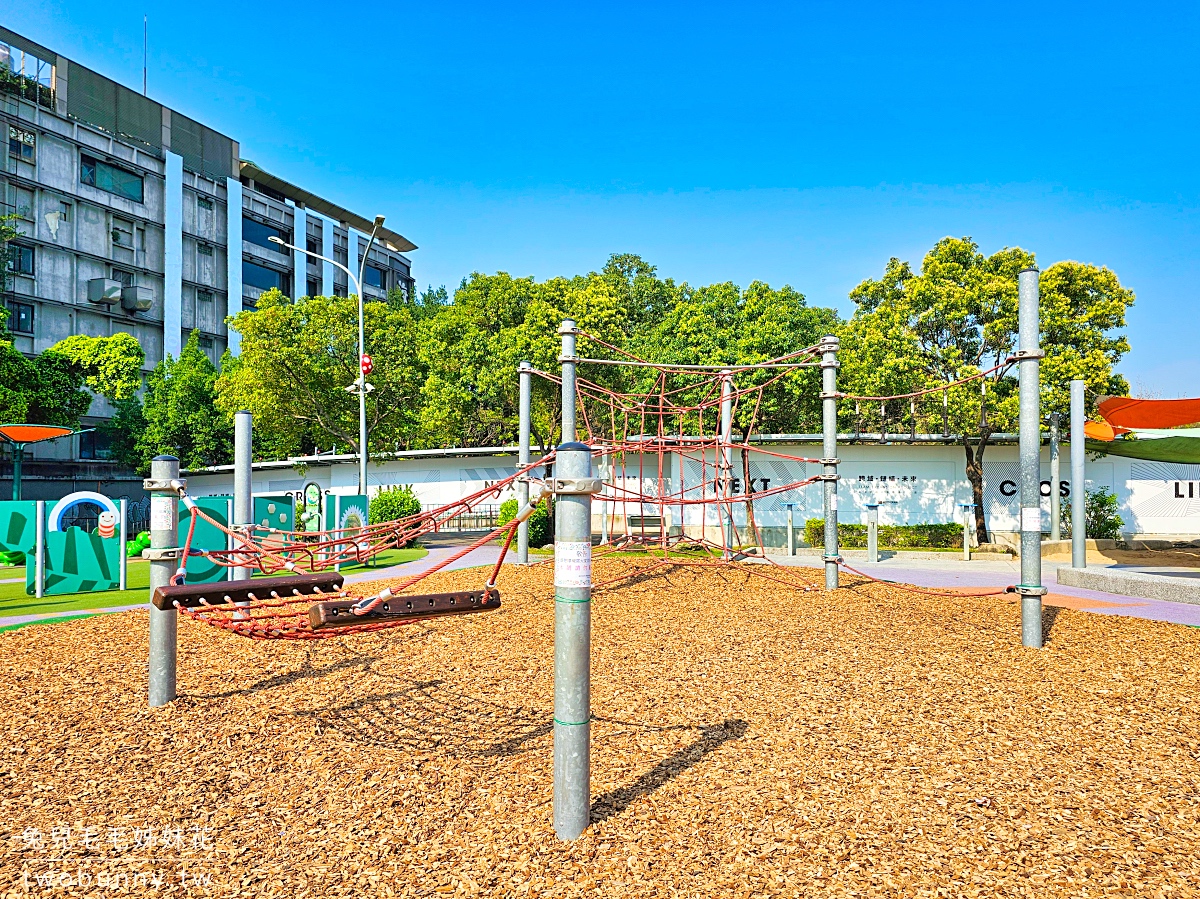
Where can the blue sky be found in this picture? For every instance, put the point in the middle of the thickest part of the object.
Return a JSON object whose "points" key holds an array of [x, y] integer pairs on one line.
{"points": [[792, 143]]}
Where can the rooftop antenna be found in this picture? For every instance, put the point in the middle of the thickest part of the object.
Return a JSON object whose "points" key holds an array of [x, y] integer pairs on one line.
{"points": [[145, 50]]}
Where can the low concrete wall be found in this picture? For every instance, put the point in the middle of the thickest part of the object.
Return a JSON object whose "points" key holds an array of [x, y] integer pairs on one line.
{"points": [[1132, 583]]}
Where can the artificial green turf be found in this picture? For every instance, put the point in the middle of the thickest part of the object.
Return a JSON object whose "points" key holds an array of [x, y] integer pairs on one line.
{"points": [[14, 601]]}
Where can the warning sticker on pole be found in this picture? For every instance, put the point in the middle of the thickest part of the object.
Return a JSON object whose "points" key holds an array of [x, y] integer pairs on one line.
{"points": [[162, 513], [833, 502], [573, 564], [1031, 519]]}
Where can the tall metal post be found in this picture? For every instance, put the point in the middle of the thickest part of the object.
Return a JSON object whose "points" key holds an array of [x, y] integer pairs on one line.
{"points": [[18, 455], [164, 528], [725, 462], [829, 462], [968, 510], [791, 543], [1078, 486], [123, 566], [243, 501], [873, 533], [1055, 476], [525, 377], [572, 614], [1030, 438], [39, 549]]}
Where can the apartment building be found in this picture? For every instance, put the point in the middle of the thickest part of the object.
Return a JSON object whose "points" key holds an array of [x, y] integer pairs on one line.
{"points": [[135, 217]]}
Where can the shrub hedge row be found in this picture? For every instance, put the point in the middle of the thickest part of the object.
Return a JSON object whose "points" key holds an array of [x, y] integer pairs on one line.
{"points": [[893, 536]]}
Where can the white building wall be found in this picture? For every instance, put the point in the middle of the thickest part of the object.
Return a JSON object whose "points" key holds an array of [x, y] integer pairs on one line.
{"points": [[915, 484]]}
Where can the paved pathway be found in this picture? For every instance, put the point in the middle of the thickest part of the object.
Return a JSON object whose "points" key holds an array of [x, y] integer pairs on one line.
{"points": [[957, 574]]}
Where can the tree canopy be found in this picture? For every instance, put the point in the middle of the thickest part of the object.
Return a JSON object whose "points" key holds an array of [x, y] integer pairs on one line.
{"points": [[956, 319]]}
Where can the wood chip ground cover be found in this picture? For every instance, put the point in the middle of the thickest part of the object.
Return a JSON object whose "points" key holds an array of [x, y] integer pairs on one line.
{"points": [[747, 742]]}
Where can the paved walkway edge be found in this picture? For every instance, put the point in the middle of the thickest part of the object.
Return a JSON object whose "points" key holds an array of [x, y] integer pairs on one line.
{"points": [[1132, 583]]}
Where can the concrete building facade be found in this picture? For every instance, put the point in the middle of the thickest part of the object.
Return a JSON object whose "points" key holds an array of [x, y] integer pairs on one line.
{"points": [[135, 217]]}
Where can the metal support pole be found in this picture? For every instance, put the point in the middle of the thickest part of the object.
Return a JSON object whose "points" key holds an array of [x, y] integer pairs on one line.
{"points": [[572, 617], [525, 377], [873, 533], [605, 471], [572, 645], [39, 549], [123, 565], [1030, 438], [791, 543], [18, 455], [829, 366], [1078, 486], [243, 501], [568, 357], [1055, 476], [725, 462], [968, 514], [164, 534]]}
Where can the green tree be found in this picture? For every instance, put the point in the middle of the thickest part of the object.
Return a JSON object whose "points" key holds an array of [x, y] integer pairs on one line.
{"points": [[110, 366], [723, 325], [180, 412], [956, 319], [298, 358]]}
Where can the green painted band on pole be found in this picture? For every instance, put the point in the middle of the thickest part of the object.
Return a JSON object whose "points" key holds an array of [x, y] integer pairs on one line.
{"points": [[571, 723], [571, 602]]}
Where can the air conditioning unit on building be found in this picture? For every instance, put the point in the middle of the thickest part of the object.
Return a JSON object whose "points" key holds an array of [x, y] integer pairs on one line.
{"points": [[137, 299], [104, 290]]}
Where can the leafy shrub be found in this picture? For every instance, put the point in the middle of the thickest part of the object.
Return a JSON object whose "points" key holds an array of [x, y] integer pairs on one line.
{"points": [[1099, 513], [893, 536], [393, 504], [539, 521]]}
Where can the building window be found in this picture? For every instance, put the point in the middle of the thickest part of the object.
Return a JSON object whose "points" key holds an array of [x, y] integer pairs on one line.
{"points": [[122, 234], [20, 318], [122, 277], [256, 232], [21, 143], [110, 178], [254, 275], [94, 445], [204, 202], [20, 259], [204, 249], [314, 287], [206, 343], [64, 212], [375, 277], [204, 296]]}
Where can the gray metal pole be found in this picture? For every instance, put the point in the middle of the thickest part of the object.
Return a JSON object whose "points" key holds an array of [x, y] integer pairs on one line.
{"points": [[243, 501], [572, 645], [873, 533], [525, 377], [968, 510], [1055, 476], [572, 616], [164, 534], [1030, 439], [39, 549], [725, 480], [791, 544], [123, 567], [568, 357], [829, 462], [1078, 485]]}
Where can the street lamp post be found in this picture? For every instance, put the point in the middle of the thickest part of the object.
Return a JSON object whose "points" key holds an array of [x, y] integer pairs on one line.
{"points": [[360, 386]]}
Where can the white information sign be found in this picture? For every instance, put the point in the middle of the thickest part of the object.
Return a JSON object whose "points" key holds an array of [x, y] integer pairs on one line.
{"points": [[573, 564], [1031, 519], [162, 510]]}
